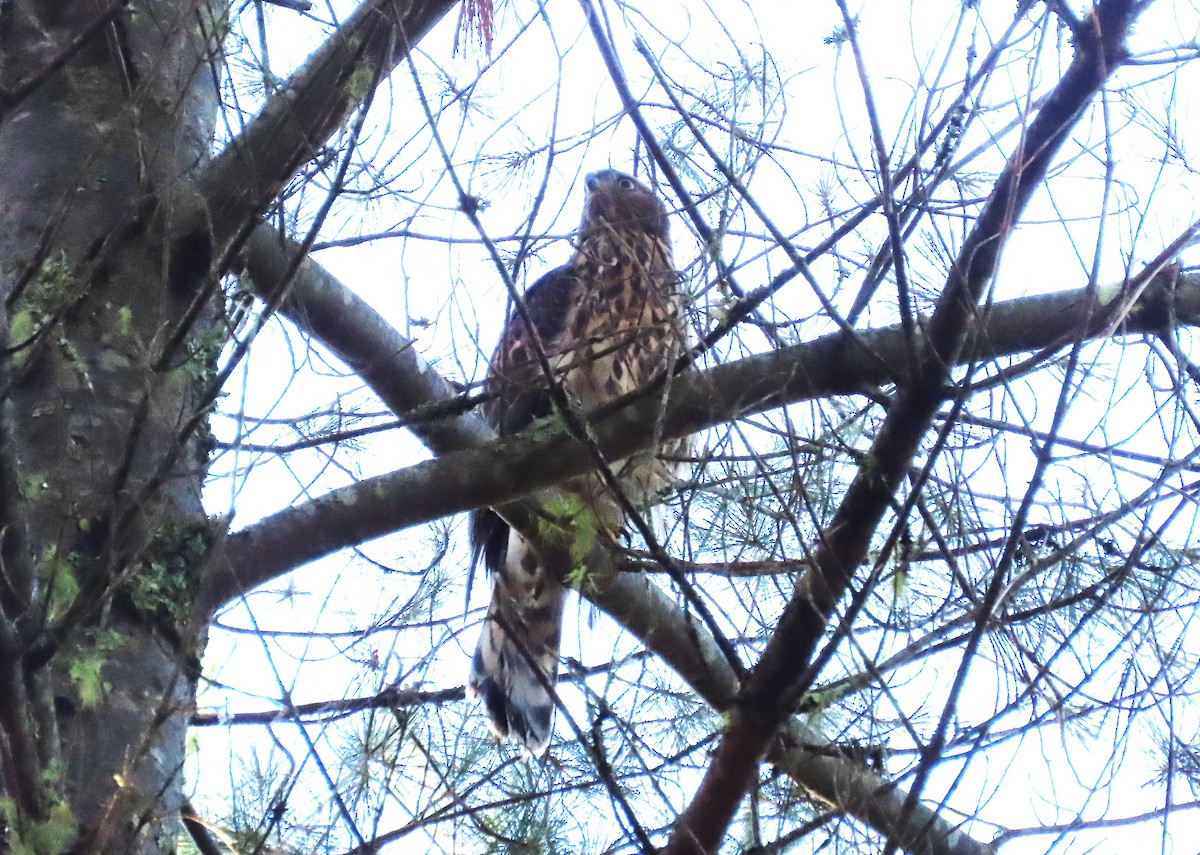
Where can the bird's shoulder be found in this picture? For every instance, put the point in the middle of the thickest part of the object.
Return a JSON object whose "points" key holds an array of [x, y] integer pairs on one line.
{"points": [[549, 301]]}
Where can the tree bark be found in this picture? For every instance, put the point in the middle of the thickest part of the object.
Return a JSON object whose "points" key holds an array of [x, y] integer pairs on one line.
{"points": [[100, 500], [113, 230]]}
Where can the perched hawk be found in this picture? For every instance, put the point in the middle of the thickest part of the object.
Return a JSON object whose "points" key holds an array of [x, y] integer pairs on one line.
{"points": [[607, 322]]}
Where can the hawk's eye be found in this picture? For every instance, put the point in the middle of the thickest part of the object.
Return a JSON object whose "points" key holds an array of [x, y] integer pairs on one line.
{"points": [[626, 183]]}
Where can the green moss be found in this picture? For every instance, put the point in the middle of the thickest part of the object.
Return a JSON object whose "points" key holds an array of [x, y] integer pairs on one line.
{"points": [[56, 833], [60, 580], [544, 428], [52, 836], [358, 87], [203, 349], [54, 774], [22, 327], [165, 583], [124, 322], [52, 290], [53, 287], [34, 488], [86, 666], [571, 524], [90, 686], [71, 354]]}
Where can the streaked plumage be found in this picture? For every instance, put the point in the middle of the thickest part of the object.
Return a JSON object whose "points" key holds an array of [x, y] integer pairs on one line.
{"points": [[609, 321]]}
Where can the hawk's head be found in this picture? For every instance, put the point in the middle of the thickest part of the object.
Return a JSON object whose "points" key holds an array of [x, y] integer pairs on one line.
{"points": [[618, 201]]}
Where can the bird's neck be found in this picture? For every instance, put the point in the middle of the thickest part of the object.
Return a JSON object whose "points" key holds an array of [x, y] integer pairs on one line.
{"points": [[607, 246]]}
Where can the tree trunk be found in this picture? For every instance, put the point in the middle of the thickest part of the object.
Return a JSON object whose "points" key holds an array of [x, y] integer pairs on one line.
{"points": [[110, 346]]}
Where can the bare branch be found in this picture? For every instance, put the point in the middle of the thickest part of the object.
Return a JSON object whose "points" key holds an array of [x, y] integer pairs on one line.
{"points": [[319, 304], [382, 505]]}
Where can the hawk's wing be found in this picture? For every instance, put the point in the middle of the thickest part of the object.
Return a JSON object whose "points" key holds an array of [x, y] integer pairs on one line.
{"points": [[519, 389]]}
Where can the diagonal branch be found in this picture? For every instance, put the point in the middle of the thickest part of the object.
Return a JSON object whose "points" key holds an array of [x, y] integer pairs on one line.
{"points": [[318, 304], [786, 668], [315, 101], [383, 508], [683, 643]]}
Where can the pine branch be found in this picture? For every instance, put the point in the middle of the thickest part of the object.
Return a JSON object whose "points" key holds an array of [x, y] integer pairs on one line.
{"points": [[787, 667], [1148, 304]]}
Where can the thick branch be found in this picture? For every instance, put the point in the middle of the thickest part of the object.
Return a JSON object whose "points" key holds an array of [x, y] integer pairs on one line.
{"points": [[313, 103], [510, 468], [322, 306], [785, 670], [795, 377]]}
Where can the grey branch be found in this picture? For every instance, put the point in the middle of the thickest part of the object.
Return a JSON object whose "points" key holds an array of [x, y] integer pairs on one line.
{"points": [[508, 469], [320, 305]]}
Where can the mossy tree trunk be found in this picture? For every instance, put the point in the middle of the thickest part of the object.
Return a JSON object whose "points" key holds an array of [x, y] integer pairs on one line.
{"points": [[108, 117], [115, 228]]}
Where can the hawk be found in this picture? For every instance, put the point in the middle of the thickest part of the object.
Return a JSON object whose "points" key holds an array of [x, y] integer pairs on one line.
{"points": [[607, 322]]}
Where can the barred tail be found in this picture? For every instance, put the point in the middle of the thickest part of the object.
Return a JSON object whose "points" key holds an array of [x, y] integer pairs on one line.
{"points": [[517, 656]]}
